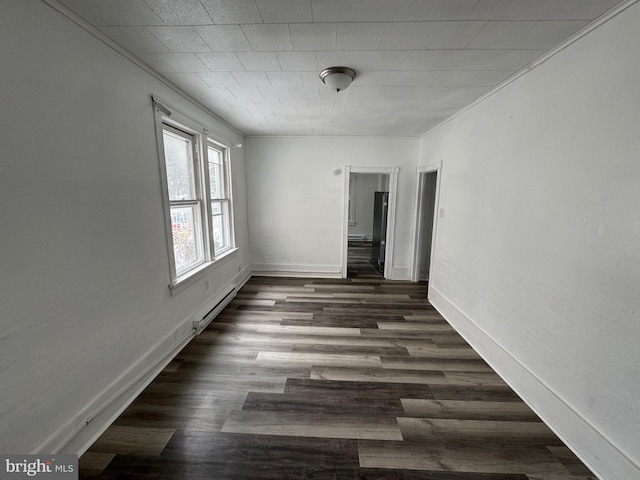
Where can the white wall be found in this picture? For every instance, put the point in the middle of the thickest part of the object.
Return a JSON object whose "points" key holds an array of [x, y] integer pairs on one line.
{"points": [[297, 203], [538, 253], [85, 273]]}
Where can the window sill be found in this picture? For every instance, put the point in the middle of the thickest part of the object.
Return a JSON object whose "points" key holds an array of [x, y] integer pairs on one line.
{"points": [[196, 274]]}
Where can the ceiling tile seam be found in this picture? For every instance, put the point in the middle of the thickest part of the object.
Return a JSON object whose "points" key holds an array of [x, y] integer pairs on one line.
{"points": [[116, 47], [244, 34], [169, 48], [204, 7], [293, 47], [431, 32], [366, 7], [364, 12], [171, 69], [474, 37], [495, 49], [475, 6], [384, 34], [313, 16], [160, 17], [259, 12], [278, 62], [582, 32], [386, 26]]}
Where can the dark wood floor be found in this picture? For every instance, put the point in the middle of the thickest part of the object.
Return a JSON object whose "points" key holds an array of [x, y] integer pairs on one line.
{"points": [[356, 379], [359, 263]]}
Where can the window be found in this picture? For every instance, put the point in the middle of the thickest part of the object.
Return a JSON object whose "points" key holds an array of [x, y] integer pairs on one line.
{"points": [[184, 201], [196, 177], [219, 196]]}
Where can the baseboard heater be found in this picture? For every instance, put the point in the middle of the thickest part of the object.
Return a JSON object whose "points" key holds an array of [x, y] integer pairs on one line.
{"points": [[200, 325]]}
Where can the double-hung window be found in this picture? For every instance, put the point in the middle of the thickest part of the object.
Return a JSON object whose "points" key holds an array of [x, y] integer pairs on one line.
{"points": [[185, 203], [219, 194], [197, 184]]}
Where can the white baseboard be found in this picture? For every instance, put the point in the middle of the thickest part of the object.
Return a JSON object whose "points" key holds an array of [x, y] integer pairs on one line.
{"points": [[243, 277], [305, 271], [359, 238], [603, 457], [77, 435], [400, 273]]}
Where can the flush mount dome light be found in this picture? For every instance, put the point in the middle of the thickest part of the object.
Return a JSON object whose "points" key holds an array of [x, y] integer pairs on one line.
{"points": [[338, 78]]}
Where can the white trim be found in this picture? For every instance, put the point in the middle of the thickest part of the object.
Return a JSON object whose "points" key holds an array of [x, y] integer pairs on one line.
{"points": [[204, 128], [164, 189], [203, 138], [291, 270], [230, 200], [80, 432], [243, 277], [391, 214], [605, 17], [338, 137], [359, 238], [90, 29], [401, 273], [601, 455], [420, 175], [72, 16], [353, 182], [197, 273], [345, 222]]}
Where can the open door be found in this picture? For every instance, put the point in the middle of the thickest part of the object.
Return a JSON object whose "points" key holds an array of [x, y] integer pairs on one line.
{"points": [[367, 225], [386, 179], [426, 223]]}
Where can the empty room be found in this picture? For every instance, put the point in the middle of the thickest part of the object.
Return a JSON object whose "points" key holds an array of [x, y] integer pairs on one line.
{"points": [[320, 239]]}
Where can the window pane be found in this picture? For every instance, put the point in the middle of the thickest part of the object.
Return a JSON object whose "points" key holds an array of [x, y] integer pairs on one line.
{"points": [[186, 242], [180, 175], [216, 176], [220, 223]]}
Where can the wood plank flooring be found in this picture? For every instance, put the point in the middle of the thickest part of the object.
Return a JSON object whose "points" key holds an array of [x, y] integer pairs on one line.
{"points": [[357, 379], [359, 261]]}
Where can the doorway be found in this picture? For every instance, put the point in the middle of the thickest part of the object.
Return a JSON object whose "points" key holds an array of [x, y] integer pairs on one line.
{"points": [[367, 228], [426, 223], [369, 217]]}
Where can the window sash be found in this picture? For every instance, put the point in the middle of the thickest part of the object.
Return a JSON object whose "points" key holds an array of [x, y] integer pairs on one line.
{"points": [[184, 190], [217, 173], [198, 215], [221, 225], [186, 233], [220, 200], [182, 177]]}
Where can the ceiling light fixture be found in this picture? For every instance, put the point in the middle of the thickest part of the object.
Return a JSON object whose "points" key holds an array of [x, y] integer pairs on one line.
{"points": [[338, 78]]}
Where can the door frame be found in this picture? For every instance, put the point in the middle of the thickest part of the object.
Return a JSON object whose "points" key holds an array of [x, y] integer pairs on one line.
{"points": [[391, 214], [421, 174]]}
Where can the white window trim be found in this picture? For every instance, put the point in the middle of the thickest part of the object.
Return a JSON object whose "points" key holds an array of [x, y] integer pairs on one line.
{"points": [[197, 202], [352, 200], [228, 194], [201, 135]]}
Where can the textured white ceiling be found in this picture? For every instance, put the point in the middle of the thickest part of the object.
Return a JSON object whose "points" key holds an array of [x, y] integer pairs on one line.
{"points": [[255, 63]]}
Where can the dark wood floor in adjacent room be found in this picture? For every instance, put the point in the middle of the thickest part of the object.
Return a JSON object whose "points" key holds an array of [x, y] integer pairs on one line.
{"points": [[357, 379]]}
